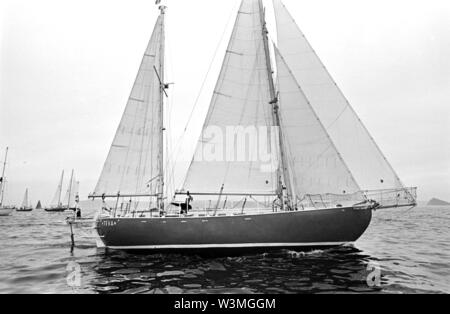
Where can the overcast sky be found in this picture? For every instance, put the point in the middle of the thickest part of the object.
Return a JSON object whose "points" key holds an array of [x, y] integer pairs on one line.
{"points": [[67, 67]]}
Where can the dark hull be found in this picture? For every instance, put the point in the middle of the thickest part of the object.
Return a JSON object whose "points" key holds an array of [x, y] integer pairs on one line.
{"points": [[302, 230], [56, 210], [24, 210]]}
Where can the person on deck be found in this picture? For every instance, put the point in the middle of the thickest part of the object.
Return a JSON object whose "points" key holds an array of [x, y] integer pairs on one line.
{"points": [[187, 205]]}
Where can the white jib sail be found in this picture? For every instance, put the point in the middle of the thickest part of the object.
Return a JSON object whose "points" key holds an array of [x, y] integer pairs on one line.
{"points": [[367, 163], [25, 202], [315, 165], [237, 148], [132, 165]]}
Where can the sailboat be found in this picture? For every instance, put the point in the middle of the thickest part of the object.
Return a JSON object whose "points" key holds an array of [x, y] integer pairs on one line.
{"points": [[4, 210], [312, 180], [71, 196], [25, 204], [56, 204], [39, 205], [68, 203]]}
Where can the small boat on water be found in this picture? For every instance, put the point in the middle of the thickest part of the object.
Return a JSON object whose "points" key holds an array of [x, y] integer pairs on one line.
{"points": [[307, 186], [25, 204], [68, 203], [39, 205], [4, 209]]}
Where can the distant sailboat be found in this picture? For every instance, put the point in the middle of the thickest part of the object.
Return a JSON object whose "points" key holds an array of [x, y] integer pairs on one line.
{"points": [[68, 203], [39, 205], [324, 177], [4, 210], [25, 204], [72, 194], [56, 204]]}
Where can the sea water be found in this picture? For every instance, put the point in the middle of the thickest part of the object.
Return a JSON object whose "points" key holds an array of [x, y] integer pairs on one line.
{"points": [[403, 251]]}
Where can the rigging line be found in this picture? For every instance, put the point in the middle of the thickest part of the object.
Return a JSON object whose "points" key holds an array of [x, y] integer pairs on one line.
{"points": [[150, 94], [143, 145], [209, 70], [288, 147], [170, 173], [202, 86], [168, 113], [338, 117]]}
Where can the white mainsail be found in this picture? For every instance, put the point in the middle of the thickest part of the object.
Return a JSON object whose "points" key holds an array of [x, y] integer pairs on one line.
{"points": [[367, 163], [240, 105], [315, 165], [133, 165]]}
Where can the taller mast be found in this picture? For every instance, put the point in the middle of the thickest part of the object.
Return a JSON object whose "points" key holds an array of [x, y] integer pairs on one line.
{"points": [[162, 91], [282, 171], [3, 180]]}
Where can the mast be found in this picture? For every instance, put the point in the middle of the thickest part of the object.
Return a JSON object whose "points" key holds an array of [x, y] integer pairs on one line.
{"points": [[282, 171], [162, 92], [3, 181], [60, 188], [70, 190]]}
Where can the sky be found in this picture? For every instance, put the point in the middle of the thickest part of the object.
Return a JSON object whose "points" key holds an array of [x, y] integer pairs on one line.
{"points": [[67, 67]]}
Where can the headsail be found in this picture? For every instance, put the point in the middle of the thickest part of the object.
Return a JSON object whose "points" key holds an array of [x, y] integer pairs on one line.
{"points": [[240, 113], [364, 158], [315, 164], [133, 165]]}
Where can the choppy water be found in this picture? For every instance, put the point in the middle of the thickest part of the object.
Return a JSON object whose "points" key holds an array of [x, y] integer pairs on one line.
{"points": [[411, 249]]}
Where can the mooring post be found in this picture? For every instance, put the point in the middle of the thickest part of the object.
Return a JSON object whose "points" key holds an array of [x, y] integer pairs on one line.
{"points": [[72, 237]]}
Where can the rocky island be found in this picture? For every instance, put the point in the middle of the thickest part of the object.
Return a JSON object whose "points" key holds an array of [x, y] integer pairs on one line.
{"points": [[437, 202]]}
